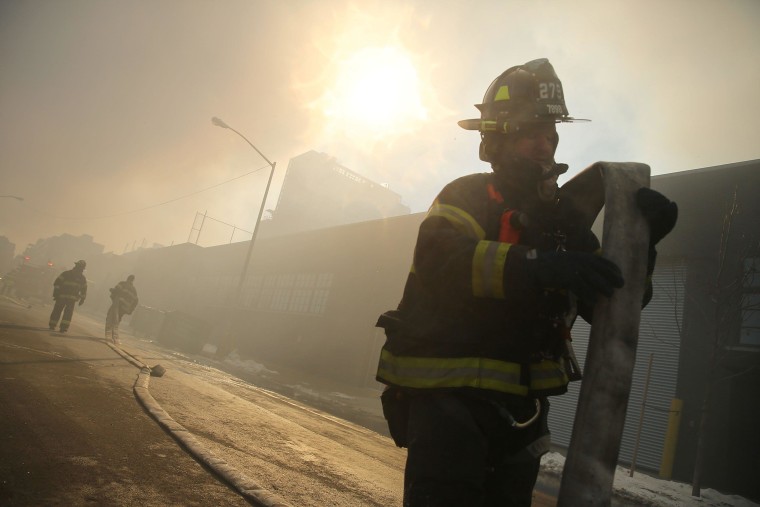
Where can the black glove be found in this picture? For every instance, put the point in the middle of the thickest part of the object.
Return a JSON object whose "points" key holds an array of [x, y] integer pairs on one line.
{"points": [[81, 302], [660, 213], [584, 274]]}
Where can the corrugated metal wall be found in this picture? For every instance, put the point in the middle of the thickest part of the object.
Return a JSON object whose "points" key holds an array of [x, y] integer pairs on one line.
{"points": [[659, 335]]}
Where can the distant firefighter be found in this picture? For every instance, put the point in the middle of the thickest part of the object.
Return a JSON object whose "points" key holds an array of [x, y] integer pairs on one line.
{"points": [[124, 297], [68, 288]]}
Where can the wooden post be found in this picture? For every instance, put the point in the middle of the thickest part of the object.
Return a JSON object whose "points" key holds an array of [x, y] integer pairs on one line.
{"points": [[641, 417], [592, 456]]}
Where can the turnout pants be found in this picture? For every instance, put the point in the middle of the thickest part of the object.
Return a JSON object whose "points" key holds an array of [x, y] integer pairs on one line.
{"points": [[462, 450], [113, 319], [67, 307]]}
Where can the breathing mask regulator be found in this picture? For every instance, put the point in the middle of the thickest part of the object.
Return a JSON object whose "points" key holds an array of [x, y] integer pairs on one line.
{"points": [[519, 99]]}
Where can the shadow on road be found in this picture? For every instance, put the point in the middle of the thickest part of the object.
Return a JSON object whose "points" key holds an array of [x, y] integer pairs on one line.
{"points": [[28, 328]]}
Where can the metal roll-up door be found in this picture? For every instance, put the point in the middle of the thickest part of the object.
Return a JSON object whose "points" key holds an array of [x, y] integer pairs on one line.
{"points": [[659, 337]]}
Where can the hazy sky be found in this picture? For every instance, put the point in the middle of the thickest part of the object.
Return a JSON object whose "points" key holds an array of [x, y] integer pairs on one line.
{"points": [[105, 106]]}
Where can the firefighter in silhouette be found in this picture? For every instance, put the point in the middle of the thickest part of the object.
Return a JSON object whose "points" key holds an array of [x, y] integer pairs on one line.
{"points": [[478, 341], [68, 288], [123, 302]]}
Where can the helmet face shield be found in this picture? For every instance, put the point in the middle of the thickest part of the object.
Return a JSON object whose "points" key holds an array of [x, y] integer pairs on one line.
{"points": [[523, 94]]}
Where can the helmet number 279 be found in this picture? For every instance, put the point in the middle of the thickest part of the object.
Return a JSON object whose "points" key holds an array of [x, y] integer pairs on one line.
{"points": [[550, 90]]}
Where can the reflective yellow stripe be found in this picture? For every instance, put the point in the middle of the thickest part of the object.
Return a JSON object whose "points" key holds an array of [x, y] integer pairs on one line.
{"points": [[488, 269], [483, 373], [459, 218], [547, 375], [427, 373], [487, 125]]}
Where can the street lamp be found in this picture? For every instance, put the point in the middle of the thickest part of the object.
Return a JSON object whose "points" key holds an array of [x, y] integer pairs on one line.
{"points": [[219, 123]]}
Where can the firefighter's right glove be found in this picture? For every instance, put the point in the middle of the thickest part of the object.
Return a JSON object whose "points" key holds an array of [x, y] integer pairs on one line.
{"points": [[584, 274], [81, 302]]}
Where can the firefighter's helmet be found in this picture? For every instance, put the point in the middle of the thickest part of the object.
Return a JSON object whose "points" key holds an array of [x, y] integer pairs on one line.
{"points": [[80, 264], [522, 94]]}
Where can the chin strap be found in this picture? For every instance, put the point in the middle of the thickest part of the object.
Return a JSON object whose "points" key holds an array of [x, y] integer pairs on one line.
{"points": [[526, 174], [555, 170]]}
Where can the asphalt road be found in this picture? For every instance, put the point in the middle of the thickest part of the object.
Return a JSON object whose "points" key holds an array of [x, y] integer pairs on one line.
{"points": [[73, 432]]}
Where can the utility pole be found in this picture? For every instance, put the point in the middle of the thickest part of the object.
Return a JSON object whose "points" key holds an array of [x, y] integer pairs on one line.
{"points": [[203, 221]]}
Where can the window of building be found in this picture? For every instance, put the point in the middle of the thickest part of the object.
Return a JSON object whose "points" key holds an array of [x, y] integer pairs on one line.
{"points": [[321, 293], [302, 292], [251, 290], [282, 293], [750, 330], [288, 292], [267, 293]]}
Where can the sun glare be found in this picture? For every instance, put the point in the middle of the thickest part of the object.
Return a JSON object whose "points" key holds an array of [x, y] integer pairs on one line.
{"points": [[376, 90]]}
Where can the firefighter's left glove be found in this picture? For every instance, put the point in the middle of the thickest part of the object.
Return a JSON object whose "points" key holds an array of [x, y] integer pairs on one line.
{"points": [[584, 274], [81, 302], [660, 213]]}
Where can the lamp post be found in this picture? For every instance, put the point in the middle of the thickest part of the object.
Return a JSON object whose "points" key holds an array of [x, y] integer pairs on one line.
{"points": [[219, 123]]}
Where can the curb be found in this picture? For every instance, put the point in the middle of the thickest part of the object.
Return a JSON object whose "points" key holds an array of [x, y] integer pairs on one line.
{"points": [[242, 484]]}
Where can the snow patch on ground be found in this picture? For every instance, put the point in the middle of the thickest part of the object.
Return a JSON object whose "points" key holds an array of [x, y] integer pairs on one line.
{"points": [[649, 491], [249, 365]]}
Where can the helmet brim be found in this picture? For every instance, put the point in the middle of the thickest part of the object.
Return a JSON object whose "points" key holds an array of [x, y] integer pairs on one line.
{"points": [[477, 123]]}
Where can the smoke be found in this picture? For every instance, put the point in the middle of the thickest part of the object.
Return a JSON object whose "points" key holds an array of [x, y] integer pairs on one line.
{"points": [[106, 107]]}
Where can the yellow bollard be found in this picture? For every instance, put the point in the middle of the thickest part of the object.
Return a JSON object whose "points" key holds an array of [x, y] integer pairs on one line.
{"points": [[671, 439]]}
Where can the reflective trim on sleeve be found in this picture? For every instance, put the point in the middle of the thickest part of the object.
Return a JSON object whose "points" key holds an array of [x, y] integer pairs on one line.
{"points": [[460, 219], [488, 269]]}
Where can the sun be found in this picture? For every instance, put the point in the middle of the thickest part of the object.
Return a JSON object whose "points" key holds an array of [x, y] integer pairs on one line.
{"points": [[376, 90]]}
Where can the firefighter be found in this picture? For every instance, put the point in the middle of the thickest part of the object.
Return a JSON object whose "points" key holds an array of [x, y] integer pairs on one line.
{"points": [[68, 288], [124, 301], [478, 341]]}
